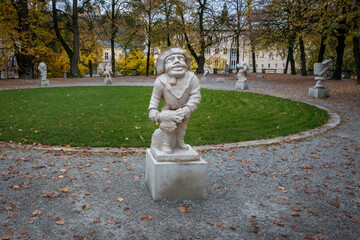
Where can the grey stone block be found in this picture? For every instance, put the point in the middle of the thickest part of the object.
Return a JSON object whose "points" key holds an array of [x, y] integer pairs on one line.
{"points": [[319, 92], [220, 79], [108, 81], [205, 79], [44, 83], [171, 180], [241, 85], [260, 76]]}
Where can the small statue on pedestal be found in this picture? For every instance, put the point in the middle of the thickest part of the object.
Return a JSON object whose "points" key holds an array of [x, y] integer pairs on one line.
{"points": [[181, 91], [43, 73], [241, 82], [107, 74], [205, 77]]}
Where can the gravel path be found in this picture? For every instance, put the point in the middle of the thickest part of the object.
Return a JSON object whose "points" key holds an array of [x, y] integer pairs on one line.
{"points": [[305, 189]]}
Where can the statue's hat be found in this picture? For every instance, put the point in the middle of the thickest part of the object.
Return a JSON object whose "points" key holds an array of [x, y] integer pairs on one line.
{"points": [[160, 61]]}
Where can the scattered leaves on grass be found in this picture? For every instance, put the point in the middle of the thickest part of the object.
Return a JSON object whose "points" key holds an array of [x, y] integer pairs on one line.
{"points": [[185, 208], [146, 218]]}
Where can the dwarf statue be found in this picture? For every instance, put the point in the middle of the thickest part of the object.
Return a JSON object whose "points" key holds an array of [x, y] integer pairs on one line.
{"points": [[180, 90], [42, 71], [108, 70], [242, 71]]}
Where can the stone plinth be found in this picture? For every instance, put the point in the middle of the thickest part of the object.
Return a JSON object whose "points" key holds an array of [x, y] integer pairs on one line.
{"points": [[44, 83], [108, 81], [204, 79], [241, 85], [319, 92], [175, 180], [178, 155], [220, 80], [260, 76]]}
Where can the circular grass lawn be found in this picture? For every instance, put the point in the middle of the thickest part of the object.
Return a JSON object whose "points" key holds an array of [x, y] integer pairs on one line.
{"points": [[117, 117]]}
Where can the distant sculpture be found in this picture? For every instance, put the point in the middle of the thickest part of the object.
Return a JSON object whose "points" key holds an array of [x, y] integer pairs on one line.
{"points": [[241, 82], [227, 69], [242, 71], [206, 70], [320, 71], [43, 73], [107, 74], [180, 90]]}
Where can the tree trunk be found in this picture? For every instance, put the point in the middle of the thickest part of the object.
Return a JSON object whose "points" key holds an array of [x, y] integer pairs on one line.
{"points": [[339, 55], [75, 27], [322, 49], [292, 61], [287, 63], [148, 58], [237, 50], [253, 59], [303, 58], [201, 63], [23, 58], [356, 50], [112, 45], [90, 67]]}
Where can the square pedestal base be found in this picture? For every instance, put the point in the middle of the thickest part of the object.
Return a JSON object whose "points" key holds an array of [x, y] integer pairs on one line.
{"points": [[205, 79], [319, 92], [241, 85], [44, 83], [220, 79], [108, 81], [170, 180]]}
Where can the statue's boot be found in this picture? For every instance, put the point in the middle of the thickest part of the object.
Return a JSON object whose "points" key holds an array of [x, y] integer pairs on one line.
{"points": [[167, 143]]}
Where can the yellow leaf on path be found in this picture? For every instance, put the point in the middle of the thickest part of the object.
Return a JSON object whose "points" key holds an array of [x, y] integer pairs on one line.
{"points": [[35, 213], [85, 207], [120, 199], [65, 190], [67, 146]]}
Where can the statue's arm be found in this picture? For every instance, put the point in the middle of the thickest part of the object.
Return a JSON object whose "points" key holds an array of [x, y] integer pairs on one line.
{"points": [[155, 100], [195, 96]]}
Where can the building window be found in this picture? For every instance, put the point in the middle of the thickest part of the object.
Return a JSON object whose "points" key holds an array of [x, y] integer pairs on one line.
{"points": [[233, 64], [225, 50], [216, 50], [269, 65], [275, 66], [106, 56], [257, 57], [262, 56], [233, 53], [276, 56], [283, 65], [256, 65], [269, 56], [216, 62], [262, 66]]}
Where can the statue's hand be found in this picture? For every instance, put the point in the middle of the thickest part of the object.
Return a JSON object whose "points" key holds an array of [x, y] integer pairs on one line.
{"points": [[184, 112], [153, 115]]}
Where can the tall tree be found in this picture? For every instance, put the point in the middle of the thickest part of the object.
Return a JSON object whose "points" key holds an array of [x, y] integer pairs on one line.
{"points": [[73, 53], [198, 26], [25, 33], [110, 14]]}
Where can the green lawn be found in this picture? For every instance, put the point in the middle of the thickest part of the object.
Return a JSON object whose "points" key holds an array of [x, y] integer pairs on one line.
{"points": [[117, 117]]}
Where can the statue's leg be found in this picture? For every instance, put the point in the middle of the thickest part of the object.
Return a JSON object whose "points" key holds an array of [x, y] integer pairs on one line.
{"points": [[168, 136], [180, 134]]}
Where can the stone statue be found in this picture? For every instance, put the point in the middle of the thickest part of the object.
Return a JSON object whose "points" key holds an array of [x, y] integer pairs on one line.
{"points": [[107, 74], [242, 71], [180, 90], [227, 69], [241, 82], [320, 71], [206, 70], [43, 73]]}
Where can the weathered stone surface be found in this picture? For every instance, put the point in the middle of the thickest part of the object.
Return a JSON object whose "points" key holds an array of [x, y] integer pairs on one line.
{"points": [[319, 92], [220, 79], [108, 81], [178, 155], [241, 85], [168, 180]]}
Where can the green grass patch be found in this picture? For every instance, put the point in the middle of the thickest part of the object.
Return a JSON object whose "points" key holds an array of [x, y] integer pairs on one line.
{"points": [[117, 117]]}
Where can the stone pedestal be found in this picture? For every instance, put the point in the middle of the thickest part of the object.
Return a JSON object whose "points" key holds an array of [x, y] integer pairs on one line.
{"points": [[44, 83], [204, 79], [319, 92], [260, 76], [241, 85], [220, 80], [175, 179], [108, 81]]}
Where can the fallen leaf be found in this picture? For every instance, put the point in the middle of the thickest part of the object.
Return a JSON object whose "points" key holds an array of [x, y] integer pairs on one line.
{"points": [[23, 231], [84, 207], [335, 204], [64, 190], [91, 231], [221, 225], [35, 213], [295, 214], [120, 199], [59, 221], [12, 207], [215, 186], [185, 208], [279, 223], [146, 218]]}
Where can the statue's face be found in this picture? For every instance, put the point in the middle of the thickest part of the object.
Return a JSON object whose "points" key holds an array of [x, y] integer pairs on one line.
{"points": [[175, 65]]}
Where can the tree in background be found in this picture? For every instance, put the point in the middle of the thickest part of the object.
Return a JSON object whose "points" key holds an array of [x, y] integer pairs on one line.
{"points": [[25, 33]]}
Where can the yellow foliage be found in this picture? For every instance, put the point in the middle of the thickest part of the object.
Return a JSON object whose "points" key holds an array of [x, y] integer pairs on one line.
{"points": [[136, 59], [217, 62]]}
